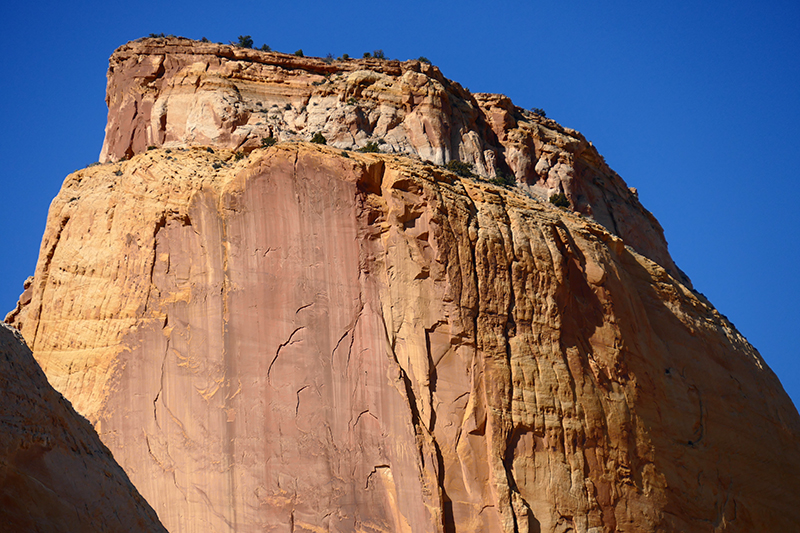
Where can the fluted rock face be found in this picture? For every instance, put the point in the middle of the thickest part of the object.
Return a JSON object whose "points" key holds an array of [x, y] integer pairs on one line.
{"points": [[310, 340], [55, 474], [177, 92]]}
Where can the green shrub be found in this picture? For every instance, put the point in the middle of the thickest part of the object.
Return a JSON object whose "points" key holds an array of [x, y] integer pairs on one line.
{"points": [[299, 53], [345, 154], [539, 111], [118, 173], [239, 156], [367, 55], [204, 40], [352, 101], [345, 57], [503, 179], [245, 41], [319, 138], [559, 200], [157, 35], [460, 168], [378, 54], [265, 48], [423, 59], [266, 142], [370, 147], [151, 147]]}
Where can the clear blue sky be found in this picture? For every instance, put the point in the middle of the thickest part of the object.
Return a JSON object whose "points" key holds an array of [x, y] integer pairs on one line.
{"points": [[696, 104]]}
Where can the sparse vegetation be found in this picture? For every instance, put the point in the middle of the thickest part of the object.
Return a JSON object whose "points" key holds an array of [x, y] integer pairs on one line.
{"points": [[216, 166], [345, 154], [328, 59], [460, 168], [378, 54], [266, 142], [299, 53], [265, 48], [319, 138], [151, 147], [352, 101], [423, 59], [209, 150], [367, 55], [539, 111], [370, 147], [238, 156], [559, 200], [503, 179], [118, 173], [245, 41], [157, 35], [345, 56], [204, 40]]}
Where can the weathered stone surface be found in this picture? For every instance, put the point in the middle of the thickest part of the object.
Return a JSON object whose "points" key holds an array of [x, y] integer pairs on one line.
{"points": [[305, 340], [55, 474], [178, 92]]}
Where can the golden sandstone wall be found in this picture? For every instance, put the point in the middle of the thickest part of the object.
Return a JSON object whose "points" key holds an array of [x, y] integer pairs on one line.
{"points": [[306, 338]]}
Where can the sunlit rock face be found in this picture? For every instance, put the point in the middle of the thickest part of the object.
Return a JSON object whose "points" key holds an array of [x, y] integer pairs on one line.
{"points": [[55, 473], [305, 340], [178, 92], [308, 338]]}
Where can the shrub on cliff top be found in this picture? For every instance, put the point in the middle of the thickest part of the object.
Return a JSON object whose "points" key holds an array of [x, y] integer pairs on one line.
{"points": [[245, 41], [299, 53], [503, 179], [319, 138], [378, 54], [539, 111], [559, 200], [266, 142], [423, 59], [460, 168], [370, 148]]}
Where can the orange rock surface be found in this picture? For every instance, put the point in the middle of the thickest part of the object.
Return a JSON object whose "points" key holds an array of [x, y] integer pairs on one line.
{"points": [[178, 92], [304, 338], [366, 343], [55, 474]]}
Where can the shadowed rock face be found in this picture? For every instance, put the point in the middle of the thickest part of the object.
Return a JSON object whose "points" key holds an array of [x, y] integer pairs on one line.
{"points": [[55, 474], [178, 92], [306, 340]]}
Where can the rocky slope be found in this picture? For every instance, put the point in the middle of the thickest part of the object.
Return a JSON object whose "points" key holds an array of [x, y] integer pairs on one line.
{"points": [[55, 474], [307, 338]]}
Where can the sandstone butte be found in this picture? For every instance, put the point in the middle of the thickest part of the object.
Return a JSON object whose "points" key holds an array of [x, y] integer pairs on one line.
{"points": [[307, 338]]}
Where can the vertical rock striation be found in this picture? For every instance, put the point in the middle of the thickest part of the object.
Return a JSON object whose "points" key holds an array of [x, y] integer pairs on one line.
{"points": [[304, 338], [178, 92]]}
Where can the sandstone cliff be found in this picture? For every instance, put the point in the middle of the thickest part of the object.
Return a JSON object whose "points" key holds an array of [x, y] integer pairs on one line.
{"points": [[306, 338], [55, 474], [178, 92]]}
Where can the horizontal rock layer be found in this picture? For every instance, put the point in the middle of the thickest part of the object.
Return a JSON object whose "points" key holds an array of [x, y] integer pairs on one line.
{"points": [[55, 473], [305, 339], [178, 92]]}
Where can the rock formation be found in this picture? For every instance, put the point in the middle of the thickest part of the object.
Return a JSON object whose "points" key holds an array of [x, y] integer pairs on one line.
{"points": [[55, 474], [177, 92], [308, 338]]}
